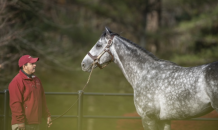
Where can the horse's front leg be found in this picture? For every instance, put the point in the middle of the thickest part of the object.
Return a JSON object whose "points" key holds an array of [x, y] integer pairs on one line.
{"points": [[165, 125], [149, 124]]}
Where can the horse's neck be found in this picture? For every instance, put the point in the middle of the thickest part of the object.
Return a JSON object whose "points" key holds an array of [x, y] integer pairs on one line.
{"points": [[133, 62]]}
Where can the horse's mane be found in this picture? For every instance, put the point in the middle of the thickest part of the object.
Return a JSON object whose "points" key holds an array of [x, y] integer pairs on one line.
{"points": [[137, 46], [140, 48]]}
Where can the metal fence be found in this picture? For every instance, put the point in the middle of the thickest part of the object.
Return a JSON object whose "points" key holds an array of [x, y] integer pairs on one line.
{"points": [[79, 115]]}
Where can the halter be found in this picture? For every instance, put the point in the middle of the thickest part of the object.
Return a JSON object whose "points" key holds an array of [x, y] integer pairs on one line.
{"points": [[106, 49]]}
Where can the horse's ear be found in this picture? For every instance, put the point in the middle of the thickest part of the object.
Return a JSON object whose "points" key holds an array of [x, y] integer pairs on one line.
{"points": [[108, 34]]}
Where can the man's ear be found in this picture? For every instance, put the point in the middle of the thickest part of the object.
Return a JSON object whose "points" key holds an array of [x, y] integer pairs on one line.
{"points": [[24, 66]]}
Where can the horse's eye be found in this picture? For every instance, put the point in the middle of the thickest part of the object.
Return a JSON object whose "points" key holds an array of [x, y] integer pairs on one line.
{"points": [[98, 45]]}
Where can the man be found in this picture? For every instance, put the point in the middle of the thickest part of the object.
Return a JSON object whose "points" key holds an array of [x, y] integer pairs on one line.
{"points": [[27, 98]]}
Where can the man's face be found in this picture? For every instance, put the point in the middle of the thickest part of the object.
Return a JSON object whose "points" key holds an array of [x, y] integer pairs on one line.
{"points": [[29, 68]]}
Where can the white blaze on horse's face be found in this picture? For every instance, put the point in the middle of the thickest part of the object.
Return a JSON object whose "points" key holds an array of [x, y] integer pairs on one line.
{"points": [[96, 50]]}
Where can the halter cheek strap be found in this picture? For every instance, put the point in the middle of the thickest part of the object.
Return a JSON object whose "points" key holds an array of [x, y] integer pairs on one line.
{"points": [[95, 59], [106, 49]]}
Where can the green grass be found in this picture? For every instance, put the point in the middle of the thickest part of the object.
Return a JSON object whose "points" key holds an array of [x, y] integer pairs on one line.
{"points": [[107, 80]]}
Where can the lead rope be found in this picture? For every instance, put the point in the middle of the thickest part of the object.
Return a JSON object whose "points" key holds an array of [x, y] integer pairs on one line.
{"points": [[93, 65]]}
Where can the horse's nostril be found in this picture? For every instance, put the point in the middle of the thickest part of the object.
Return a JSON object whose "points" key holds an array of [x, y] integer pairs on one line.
{"points": [[83, 65]]}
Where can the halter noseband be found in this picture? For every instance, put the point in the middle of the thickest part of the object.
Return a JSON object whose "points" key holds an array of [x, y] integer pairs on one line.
{"points": [[106, 49]]}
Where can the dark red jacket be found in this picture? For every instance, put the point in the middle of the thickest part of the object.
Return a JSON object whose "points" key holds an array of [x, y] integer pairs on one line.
{"points": [[27, 100]]}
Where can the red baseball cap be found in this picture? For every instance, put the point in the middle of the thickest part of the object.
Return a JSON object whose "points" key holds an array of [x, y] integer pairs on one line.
{"points": [[26, 59]]}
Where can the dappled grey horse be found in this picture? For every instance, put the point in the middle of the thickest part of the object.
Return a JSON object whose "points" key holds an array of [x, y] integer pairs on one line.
{"points": [[163, 90]]}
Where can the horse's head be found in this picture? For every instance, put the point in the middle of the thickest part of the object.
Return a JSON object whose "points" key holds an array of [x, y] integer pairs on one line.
{"points": [[100, 52]]}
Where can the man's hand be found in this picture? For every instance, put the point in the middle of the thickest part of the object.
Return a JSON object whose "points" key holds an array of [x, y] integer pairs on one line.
{"points": [[49, 123], [21, 126]]}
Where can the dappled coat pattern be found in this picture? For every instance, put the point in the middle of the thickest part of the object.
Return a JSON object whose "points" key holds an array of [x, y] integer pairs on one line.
{"points": [[163, 91]]}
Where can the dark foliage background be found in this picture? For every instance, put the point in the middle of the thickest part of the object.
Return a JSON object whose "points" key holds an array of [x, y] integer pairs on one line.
{"points": [[61, 32]]}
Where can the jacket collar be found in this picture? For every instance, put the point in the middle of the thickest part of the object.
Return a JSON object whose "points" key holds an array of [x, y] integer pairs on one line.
{"points": [[25, 76]]}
